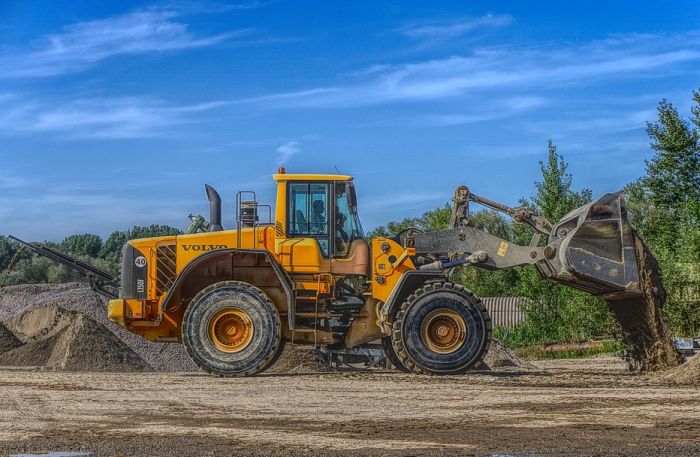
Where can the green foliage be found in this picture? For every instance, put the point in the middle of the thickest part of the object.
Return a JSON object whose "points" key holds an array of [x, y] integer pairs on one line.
{"points": [[556, 312], [112, 248], [7, 250], [393, 228], [152, 231], [436, 219], [554, 196], [664, 206], [535, 351], [673, 174], [85, 245], [31, 268]]}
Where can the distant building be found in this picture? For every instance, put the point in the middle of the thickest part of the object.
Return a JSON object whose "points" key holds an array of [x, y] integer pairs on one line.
{"points": [[506, 311]]}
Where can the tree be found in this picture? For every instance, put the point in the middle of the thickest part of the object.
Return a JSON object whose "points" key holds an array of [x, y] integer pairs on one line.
{"points": [[112, 248], [7, 251], [82, 245], [556, 313], [673, 174], [664, 206], [153, 231], [695, 110], [554, 196], [393, 228]]}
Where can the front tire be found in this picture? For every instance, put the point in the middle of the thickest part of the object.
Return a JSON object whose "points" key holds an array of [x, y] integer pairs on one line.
{"points": [[391, 356], [231, 328], [442, 328]]}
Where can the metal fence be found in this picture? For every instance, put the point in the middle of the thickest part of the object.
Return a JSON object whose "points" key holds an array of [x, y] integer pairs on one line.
{"points": [[506, 311]]}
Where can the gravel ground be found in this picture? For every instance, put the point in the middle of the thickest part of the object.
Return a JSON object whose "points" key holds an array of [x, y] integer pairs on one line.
{"points": [[586, 407]]}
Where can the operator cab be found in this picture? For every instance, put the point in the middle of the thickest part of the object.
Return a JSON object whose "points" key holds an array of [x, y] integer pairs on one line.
{"points": [[321, 210], [326, 212]]}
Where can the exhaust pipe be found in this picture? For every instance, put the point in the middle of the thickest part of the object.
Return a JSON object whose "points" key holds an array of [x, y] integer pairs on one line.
{"points": [[214, 209]]}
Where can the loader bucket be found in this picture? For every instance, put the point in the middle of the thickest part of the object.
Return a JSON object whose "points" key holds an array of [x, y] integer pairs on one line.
{"points": [[597, 251]]}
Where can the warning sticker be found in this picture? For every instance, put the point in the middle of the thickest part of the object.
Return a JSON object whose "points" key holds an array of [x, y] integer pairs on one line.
{"points": [[502, 248]]}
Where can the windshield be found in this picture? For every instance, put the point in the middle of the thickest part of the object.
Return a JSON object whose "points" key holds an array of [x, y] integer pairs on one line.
{"points": [[347, 223]]}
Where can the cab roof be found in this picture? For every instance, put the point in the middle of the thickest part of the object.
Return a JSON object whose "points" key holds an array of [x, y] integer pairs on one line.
{"points": [[309, 177]]}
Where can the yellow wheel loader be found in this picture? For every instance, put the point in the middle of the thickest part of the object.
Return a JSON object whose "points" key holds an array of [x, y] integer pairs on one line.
{"points": [[304, 273]]}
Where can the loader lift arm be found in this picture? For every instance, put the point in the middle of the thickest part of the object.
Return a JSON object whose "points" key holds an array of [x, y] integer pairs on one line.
{"points": [[460, 211], [100, 281], [590, 249]]}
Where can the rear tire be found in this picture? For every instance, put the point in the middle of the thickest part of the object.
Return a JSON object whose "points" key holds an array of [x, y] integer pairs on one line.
{"points": [[231, 328], [442, 328]]}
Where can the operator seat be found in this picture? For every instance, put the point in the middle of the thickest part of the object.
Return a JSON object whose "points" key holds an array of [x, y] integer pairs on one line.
{"points": [[299, 222]]}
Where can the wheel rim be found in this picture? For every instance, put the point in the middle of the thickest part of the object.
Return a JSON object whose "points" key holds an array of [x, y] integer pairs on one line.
{"points": [[231, 330], [443, 331]]}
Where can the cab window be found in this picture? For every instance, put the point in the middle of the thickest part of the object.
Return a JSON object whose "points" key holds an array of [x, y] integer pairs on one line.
{"points": [[308, 213], [347, 224]]}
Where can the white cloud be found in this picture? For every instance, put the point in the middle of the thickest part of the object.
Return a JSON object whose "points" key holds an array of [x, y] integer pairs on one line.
{"points": [[502, 68], [500, 109], [84, 44], [113, 118], [451, 29], [577, 125], [10, 181], [287, 151]]}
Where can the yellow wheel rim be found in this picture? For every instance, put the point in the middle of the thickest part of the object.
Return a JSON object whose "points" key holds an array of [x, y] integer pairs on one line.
{"points": [[230, 330], [443, 331]]}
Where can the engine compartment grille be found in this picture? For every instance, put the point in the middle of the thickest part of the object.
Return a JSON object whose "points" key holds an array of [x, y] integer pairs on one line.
{"points": [[166, 267]]}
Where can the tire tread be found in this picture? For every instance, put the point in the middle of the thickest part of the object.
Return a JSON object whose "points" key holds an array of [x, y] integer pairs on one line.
{"points": [[396, 336], [265, 362]]}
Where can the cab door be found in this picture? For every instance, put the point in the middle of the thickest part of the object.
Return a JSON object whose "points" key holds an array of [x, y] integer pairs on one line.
{"points": [[307, 248]]}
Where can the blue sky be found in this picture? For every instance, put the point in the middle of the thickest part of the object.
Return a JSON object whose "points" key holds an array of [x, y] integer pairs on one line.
{"points": [[115, 114]]}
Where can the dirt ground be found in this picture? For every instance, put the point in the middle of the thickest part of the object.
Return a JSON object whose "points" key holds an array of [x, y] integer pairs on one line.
{"points": [[574, 407]]}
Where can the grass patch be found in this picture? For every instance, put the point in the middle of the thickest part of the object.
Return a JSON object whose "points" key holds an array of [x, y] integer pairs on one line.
{"points": [[544, 351], [531, 346]]}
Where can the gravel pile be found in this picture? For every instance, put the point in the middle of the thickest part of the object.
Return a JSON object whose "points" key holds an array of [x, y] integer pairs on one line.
{"points": [[8, 340], [499, 356], [687, 373], [16, 300], [67, 340], [296, 359]]}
